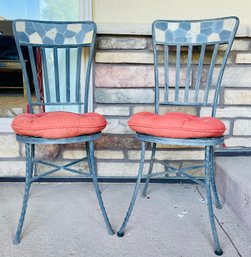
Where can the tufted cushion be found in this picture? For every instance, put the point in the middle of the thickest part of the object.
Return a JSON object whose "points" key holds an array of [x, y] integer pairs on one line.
{"points": [[58, 124], [176, 125]]}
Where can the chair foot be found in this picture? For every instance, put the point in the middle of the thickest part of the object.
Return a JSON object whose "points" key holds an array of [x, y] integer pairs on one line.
{"points": [[218, 206], [111, 232], [218, 252], [143, 195], [16, 241], [120, 234]]}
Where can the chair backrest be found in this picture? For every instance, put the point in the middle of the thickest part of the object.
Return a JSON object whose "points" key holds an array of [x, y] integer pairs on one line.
{"points": [[55, 51], [189, 60]]}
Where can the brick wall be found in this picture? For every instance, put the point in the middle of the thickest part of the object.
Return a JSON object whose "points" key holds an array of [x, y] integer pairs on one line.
{"points": [[123, 85]]}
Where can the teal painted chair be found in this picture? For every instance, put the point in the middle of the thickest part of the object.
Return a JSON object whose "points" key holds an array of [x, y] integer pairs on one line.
{"points": [[55, 53], [183, 42]]}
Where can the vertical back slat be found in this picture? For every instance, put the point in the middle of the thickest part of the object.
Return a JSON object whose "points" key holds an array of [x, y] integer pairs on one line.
{"points": [[34, 73], [210, 72], [78, 69], [199, 72], [45, 76], [219, 80], [188, 72], [87, 79], [177, 75], [56, 72], [166, 73], [68, 78], [156, 78]]}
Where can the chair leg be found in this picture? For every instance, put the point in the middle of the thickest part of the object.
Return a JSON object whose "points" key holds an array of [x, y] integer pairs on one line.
{"points": [[92, 167], [214, 188], [217, 248], [29, 152], [150, 170], [120, 233]]}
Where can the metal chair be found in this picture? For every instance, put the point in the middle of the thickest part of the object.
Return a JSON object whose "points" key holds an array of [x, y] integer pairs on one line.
{"points": [[63, 101], [175, 46]]}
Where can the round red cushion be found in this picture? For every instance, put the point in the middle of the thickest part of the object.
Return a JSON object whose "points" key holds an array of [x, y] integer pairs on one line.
{"points": [[58, 124], [176, 125]]}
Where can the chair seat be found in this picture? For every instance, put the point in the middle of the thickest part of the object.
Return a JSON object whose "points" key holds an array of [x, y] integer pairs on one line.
{"points": [[58, 124], [176, 125]]}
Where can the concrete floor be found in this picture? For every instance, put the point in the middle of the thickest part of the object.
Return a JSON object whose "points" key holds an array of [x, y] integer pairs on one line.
{"points": [[64, 220]]}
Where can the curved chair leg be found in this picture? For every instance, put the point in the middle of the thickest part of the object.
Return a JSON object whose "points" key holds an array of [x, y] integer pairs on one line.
{"points": [[217, 248], [150, 170], [212, 170], [29, 152], [92, 167], [120, 233]]}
